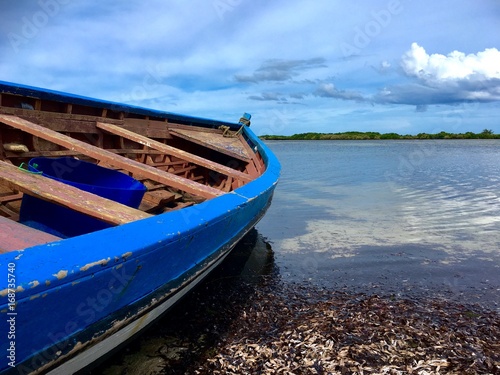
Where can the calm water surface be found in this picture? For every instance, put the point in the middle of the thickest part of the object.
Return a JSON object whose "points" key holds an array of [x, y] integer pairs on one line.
{"points": [[402, 217]]}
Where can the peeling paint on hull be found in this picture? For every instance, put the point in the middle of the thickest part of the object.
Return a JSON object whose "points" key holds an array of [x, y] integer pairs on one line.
{"points": [[87, 357]]}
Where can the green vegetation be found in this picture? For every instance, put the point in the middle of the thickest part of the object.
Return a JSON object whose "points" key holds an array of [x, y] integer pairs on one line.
{"points": [[485, 134]]}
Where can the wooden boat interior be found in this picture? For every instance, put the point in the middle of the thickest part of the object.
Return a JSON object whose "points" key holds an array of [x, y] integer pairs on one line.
{"points": [[180, 162]]}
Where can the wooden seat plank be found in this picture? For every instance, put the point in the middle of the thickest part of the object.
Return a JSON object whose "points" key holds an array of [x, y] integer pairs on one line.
{"points": [[156, 199], [34, 154], [132, 166], [173, 151], [68, 196], [230, 146], [16, 236]]}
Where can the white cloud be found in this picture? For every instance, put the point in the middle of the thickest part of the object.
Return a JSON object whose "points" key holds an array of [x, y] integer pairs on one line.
{"points": [[452, 79], [455, 66]]}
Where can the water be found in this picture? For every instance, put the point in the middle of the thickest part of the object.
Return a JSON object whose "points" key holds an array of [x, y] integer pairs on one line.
{"points": [[404, 217]]}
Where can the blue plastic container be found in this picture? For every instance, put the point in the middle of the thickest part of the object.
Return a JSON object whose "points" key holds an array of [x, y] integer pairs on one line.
{"points": [[95, 179]]}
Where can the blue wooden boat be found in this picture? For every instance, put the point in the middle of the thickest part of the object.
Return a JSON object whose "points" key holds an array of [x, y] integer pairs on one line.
{"points": [[85, 269]]}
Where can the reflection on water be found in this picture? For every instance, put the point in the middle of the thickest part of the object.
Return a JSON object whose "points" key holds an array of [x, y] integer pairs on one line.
{"points": [[185, 334], [399, 216]]}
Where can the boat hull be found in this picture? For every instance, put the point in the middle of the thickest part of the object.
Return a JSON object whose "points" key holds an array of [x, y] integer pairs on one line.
{"points": [[79, 298], [112, 342]]}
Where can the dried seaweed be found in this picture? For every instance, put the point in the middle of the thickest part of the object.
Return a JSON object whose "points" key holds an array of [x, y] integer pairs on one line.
{"points": [[299, 330]]}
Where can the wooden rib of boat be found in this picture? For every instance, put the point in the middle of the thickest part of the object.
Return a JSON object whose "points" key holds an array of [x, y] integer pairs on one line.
{"points": [[84, 268]]}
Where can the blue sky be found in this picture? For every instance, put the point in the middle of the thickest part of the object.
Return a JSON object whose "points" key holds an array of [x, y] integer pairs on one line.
{"points": [[297, 66]]}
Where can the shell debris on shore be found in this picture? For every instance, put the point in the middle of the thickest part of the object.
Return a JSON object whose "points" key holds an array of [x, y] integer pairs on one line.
{"points": [[274, 327], [301, 330]]}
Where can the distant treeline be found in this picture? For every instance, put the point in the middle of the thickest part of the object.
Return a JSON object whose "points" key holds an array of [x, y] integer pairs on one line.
{"points": [[485, 134]]}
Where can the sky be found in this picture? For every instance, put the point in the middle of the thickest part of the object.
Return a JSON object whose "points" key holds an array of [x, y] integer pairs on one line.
{"points": [[297, 66]]}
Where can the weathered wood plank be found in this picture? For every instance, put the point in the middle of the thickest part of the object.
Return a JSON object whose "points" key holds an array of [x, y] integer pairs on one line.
{"points": [[155, 200], [10, 197], [183, 170], [158, 197], [148, 128], [225, 145], [253, 167], [12, 214], [179, 206], [169, 150], [113, 159], [33, 154], [68, 196], [166, 163], [15, 236], [173, 125], [64, 122]]}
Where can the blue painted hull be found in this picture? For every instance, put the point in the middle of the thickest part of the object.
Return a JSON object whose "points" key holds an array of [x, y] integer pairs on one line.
{"points": [[73, 294]]}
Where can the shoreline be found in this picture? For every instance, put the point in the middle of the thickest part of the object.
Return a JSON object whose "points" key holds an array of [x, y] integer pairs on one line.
{"points": [[247, 318], [368, 136], [297, 329]]}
